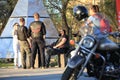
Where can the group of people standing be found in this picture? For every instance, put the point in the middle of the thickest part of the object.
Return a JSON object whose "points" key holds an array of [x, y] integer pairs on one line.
{"points": [[31, 41]]}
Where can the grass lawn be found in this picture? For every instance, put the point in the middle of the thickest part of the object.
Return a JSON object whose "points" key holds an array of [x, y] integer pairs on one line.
{"points": [[6, 63]]}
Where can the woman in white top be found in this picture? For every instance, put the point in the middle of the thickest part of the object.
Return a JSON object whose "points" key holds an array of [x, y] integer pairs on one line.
{"points": [[16, 48]]}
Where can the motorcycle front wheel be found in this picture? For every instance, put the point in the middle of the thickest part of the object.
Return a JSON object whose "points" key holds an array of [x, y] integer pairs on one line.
{"points": [[70, 74]]}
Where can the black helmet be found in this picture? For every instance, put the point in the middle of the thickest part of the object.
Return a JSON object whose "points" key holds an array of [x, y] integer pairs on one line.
{"points": [[80, 12]]}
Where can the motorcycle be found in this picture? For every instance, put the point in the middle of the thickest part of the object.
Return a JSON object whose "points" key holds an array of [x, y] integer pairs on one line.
{"points": [[100, 57]]}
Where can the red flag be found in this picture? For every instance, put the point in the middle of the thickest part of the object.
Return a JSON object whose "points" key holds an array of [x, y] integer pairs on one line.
{"points": [[118, 12]]}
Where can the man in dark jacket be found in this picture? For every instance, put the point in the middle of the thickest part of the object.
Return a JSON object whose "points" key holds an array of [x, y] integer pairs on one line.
{"points": [[24, 44], [37, 32]]}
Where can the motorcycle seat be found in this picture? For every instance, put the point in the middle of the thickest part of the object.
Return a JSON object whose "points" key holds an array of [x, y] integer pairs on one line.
{"points": [[107, 44]]}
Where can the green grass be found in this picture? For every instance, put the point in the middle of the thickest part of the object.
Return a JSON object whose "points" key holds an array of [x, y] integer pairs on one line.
{"points": [[6, 64]]}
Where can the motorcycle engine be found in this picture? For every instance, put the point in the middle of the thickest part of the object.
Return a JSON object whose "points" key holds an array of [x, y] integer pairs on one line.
{"points": [[109, 68], [112, 71]]}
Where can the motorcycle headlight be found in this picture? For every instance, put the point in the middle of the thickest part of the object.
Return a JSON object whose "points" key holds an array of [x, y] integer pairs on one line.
{"points": [[88, 42]]}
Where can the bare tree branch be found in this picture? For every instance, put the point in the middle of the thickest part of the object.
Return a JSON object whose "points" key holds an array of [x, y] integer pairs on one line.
{"points": [[55, 5]]}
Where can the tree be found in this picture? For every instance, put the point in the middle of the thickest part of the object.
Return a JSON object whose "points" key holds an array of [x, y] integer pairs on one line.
{"points": [[5, 12], [61, 6], [65, 13], [108, 7]]}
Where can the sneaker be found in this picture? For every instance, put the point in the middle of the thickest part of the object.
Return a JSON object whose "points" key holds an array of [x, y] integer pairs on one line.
{"points": [[20, 66], [32, 68], [24, 67], [42, 67]]}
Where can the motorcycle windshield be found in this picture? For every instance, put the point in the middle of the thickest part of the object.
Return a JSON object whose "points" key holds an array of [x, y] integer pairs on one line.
{"points": [[85, 31]]}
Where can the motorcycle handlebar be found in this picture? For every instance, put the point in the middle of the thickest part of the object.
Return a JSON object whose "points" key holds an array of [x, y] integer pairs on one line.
{"points": [[115, 34]]}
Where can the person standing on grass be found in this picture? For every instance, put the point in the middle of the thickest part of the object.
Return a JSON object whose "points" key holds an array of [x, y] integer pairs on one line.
{"points": [[16, 47], [24, 44], [37, 32]]}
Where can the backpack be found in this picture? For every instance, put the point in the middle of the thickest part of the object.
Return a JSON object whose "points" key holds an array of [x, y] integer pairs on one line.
{"points": [[104, 24]]}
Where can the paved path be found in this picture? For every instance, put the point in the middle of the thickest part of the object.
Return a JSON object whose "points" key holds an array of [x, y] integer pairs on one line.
{"points": [[35, 74]]}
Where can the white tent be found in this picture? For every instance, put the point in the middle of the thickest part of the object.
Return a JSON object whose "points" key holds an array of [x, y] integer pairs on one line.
{"points": [[26, 9]]}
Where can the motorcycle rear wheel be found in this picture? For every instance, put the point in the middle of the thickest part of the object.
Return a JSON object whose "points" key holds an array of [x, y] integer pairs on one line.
{"points": [[69, 74]]}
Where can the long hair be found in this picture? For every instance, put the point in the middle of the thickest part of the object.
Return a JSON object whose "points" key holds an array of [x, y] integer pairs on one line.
{"points": [[15, 24], [95, 8], [63, 31]]}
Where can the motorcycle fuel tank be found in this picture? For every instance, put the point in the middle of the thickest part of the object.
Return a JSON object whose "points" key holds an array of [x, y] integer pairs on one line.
{"points": [[106, 44]]}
